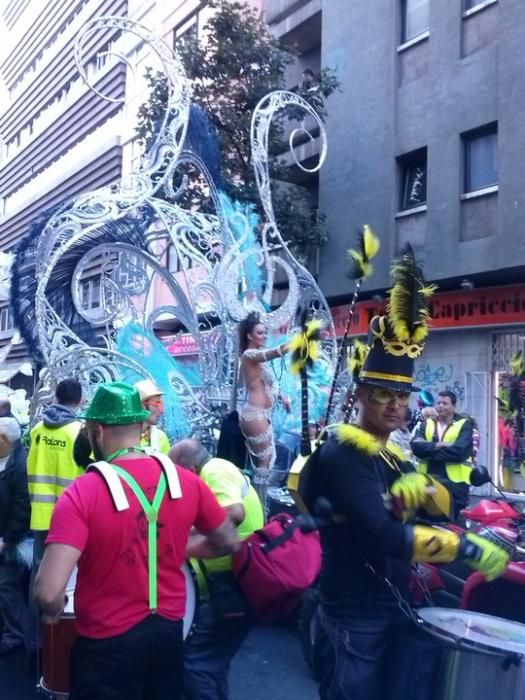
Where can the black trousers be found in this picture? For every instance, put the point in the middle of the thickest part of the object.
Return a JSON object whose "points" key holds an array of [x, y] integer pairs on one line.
{"points": [[374, 653], [13, 610], [144, 663], [209, 652]]}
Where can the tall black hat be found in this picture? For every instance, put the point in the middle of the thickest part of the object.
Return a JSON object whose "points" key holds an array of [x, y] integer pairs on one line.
{"points": [[397, 339]]}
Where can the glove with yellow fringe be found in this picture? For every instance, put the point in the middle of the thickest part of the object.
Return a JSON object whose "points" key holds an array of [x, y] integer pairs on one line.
{"points": [[415, 491], [438, 546], [483, 555], [409, 493]]}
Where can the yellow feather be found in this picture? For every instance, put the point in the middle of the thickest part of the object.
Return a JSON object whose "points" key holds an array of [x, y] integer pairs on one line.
{"points": [[370, 242], [397, 451], [358, 438], [296, 343], [367, 269], [419, 334], [313, 327], [357, 356]]}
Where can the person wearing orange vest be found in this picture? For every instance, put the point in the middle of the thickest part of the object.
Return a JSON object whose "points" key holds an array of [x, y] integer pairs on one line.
{"points": [[444, 448]]}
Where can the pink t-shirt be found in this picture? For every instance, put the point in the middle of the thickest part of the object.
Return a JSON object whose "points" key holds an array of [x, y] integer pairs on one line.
{"points": [[111, 595]]}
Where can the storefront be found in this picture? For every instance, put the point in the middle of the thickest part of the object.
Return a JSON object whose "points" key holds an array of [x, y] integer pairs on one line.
{"points": [[475, 335]]}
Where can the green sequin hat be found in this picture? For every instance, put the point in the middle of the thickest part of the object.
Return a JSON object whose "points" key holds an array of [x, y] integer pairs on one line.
{"points": [[116, 403]]}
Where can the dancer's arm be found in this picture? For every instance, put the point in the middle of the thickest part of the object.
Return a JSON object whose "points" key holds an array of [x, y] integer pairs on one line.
{"points": [[266, 355]]}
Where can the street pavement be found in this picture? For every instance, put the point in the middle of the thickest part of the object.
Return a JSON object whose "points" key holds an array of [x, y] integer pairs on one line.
{"points": [[268, 667]]}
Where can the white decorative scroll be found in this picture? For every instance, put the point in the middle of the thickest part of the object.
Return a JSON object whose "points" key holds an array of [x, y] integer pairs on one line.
{"points": [[210, 291]]}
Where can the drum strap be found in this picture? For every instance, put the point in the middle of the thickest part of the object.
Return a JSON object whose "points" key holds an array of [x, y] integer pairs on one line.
{"points": [[152, 514]]}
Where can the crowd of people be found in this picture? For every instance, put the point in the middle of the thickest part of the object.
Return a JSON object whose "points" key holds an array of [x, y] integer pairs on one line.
{"points": [[104, 492], [203, 506]]}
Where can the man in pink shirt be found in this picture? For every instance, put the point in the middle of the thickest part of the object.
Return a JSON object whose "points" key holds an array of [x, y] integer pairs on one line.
{"points": [[130, 595]]}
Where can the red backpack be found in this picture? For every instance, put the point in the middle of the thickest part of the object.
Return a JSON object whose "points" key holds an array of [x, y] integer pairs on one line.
{"points": [[275, 565]]}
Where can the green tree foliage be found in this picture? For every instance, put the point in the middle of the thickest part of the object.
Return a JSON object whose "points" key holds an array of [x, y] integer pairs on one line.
{"points": [[237, 64]]}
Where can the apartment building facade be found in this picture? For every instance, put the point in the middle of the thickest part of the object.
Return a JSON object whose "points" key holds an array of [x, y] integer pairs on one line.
{"points": [[425, 144]]}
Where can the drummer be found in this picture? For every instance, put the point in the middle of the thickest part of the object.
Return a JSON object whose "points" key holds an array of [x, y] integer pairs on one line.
{"points": [[129, 566], [367, 494]]}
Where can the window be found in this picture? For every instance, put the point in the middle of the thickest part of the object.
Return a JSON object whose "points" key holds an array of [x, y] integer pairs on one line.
{"points": [[469, 4], [90, 293], [481, 158], [6, 319], [189, 29], [414, 179], [415, 18]]}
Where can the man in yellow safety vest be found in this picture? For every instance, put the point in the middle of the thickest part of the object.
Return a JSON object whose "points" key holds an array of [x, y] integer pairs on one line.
{"points": [[444, 447], [51, 464]]}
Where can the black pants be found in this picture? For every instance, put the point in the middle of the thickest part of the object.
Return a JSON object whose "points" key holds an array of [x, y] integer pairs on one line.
{"points": [[373, 654], [144, 663], [13, 609], [209, 652]]}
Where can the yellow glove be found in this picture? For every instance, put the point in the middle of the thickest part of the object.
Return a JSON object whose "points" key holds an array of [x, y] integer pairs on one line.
{"points": [[483, 555], [410, 492]]}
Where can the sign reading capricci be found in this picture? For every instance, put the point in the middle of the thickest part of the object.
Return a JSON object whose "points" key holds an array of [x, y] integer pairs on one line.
{"points": [[468, 309]]}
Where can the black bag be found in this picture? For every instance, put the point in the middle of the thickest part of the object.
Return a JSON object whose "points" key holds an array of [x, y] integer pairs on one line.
{"points": [[226, 597]]}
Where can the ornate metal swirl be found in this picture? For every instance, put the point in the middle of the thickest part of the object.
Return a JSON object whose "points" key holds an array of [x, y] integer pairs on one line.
{"points": [[260, 130]]}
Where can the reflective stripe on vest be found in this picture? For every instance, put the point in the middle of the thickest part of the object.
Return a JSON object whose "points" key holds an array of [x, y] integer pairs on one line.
{"points": [[51, 468], [457, 473]]}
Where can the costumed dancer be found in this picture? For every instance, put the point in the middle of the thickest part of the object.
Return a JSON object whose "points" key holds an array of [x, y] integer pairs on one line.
{"points": [[367, 497], [255, 416]]}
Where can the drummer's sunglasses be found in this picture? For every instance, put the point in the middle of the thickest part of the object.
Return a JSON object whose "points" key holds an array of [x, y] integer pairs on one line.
{"points": [[378, 394]]}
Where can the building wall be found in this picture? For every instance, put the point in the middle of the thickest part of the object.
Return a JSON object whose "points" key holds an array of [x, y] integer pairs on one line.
{"points": [[463, 75]]}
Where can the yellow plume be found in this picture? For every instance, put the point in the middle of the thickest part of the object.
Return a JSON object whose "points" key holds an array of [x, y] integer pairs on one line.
{"points": [[357, 357], [368, 247], [304, 346], [358, 438], [407, 309]]}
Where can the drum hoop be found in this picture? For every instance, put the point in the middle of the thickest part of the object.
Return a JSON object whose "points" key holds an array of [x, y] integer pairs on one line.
{"points": [[52, 693], [465, 645], [193, 576]]}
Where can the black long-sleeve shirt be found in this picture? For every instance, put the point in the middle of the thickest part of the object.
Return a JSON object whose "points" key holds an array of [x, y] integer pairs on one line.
{"points": [[15, 509], [357, 486]]}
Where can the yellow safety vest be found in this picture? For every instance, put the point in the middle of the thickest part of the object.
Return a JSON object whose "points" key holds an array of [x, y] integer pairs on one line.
{"points": [[51, 468], [158, 442], [457, 473]]}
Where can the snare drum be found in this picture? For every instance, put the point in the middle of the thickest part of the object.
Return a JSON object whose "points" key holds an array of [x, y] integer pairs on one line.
{"points": [[482, 656], [57, 641]]}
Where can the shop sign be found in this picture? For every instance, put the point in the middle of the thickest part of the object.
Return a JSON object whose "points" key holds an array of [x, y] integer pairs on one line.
{"points": [[181, 344], [466, 309]]}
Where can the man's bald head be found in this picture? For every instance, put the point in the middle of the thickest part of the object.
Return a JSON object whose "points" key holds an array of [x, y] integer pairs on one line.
{"points": [[190, 454], [5, 407]]}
